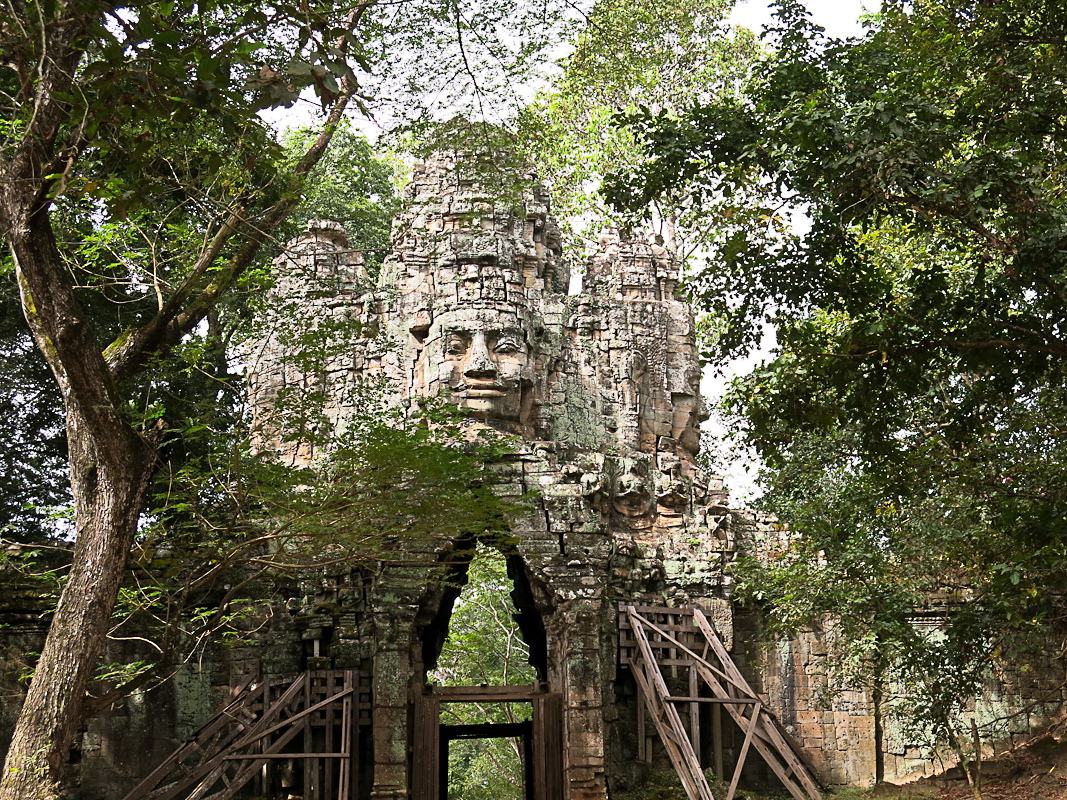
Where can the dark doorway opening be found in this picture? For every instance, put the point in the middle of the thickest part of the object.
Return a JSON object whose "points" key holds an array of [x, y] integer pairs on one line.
{"points": [[522, 731]]}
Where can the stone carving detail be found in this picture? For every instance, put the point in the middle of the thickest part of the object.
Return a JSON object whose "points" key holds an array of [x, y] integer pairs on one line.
{"points": [[600, 391]]}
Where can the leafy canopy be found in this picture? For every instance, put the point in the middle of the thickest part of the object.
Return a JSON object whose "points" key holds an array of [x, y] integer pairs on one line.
{"points": [[910, 419], [663, 55]]}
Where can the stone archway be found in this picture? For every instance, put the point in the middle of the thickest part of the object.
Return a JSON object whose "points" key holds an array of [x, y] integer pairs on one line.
{"points": [[488, 584]]}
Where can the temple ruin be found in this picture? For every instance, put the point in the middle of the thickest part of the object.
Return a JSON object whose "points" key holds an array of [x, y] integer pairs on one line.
{"points": [[626, 549], [601, 391]]}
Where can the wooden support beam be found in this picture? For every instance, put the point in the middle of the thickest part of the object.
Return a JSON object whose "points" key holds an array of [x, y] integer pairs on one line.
{"points": [[665, 716], [729, 690], [485, 730], [744, 750], [716, 738], [694, 712]]}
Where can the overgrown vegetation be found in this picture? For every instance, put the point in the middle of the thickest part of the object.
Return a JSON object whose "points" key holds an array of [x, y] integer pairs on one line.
{"points": [[909, 418]]}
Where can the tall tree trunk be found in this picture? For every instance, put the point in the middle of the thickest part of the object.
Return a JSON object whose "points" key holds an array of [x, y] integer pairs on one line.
{"points": [[110, 468], [111, 463], [108, 491]]}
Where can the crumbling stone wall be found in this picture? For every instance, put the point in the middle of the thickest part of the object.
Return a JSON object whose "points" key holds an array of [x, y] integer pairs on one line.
{"points": [[598, 392], [835, 723]]}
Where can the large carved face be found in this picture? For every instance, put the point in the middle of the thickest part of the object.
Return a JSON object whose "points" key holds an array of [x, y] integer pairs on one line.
{"points": [[486, 362]]}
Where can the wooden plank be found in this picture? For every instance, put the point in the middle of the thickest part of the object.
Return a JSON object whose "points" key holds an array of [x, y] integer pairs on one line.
{"points": [[547, 747], [299, 716], [740, 684], [644, 681], [744, 750], [265, 770], [730, 689], [246, 773], [529, 784], [694, 712], [770, 731], [539, 745], [426, 754], [213, 766], [716, 739], [641, 755], [294, 756], [466, 694], [309, 704], [773, 754], [344, 769], [769, 753], [720, 653], [328, 726], [483, 730]]}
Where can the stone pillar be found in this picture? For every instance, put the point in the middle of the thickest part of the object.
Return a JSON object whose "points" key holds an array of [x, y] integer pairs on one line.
{"points": [[391, 685], [583, 697]]}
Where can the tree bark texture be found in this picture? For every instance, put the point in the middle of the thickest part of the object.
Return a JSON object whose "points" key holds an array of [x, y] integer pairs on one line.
{"points": [[110, 468]]}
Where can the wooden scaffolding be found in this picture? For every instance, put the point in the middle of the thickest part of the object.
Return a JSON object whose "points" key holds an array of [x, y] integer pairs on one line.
{"points": [[653, 639], [308, 728]]}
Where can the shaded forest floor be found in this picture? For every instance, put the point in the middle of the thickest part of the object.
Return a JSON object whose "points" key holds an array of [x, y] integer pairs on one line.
{"points": [[1037, 771]]}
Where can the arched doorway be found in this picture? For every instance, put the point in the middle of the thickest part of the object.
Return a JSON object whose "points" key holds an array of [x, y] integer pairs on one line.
{"points": [[486, 656]]}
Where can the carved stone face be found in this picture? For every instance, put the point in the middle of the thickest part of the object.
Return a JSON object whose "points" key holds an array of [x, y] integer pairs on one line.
{"points": [[486, 362], [688, 412]]}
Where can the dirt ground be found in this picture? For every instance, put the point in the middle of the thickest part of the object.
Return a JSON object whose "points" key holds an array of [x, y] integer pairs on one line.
{"points": [[1035, 772]]}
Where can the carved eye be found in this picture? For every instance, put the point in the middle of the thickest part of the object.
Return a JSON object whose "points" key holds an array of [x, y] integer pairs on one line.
{"points": [[456, 345]]}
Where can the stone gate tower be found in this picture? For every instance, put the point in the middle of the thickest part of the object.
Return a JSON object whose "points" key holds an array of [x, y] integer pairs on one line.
{"points": [[598, 394], [599, 391]]}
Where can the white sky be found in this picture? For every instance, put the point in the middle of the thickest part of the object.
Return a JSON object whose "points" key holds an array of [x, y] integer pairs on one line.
{"points": [[840, 18]]}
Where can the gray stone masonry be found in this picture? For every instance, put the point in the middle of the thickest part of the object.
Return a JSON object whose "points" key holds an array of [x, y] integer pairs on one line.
{"points": [[599, 394]]}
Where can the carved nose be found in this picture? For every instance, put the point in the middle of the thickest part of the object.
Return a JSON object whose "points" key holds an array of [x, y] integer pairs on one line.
{"points": [[480, 365]]}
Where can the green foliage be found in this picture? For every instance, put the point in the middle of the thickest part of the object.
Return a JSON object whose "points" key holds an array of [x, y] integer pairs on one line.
{"points": [[150, 69], [139, 188], [352, 184], [910, 419], [33, 452], [943, 121], [485, 769], [484, 646], [236, 516], [627, 55]]}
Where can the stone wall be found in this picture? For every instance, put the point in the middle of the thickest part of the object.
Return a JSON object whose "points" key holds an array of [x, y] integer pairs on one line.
{"points": [[598, 395], [835, 723]]}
